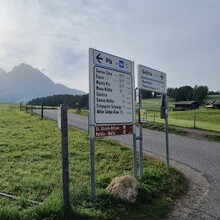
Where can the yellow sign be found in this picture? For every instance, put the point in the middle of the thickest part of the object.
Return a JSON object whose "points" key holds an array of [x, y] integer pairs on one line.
{"points": [[143, 115]]}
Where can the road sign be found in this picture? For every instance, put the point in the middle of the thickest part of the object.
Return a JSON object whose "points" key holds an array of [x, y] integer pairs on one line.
{"points": [[111, 102], [112, 62], [112, 130], [111, 89], [152, 80]]}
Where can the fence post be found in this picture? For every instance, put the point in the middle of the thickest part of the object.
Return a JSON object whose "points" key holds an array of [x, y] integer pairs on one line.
{"points": [[65, 163], [42, 111], [194, 124], [32, 109]]}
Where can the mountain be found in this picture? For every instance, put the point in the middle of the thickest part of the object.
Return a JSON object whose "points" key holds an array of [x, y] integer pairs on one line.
{"points": [[24, 83], [3, 75]]}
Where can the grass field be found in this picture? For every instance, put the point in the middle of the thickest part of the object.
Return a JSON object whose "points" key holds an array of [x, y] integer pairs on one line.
{"points": [[30, 164], [207, 119]]}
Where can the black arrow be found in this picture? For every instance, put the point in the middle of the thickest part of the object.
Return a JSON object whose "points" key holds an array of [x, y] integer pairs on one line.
{"points": [[161, 76], [99, 58]]}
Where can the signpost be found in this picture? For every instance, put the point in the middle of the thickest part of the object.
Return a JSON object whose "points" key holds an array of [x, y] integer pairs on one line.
{"points": [[111, 100], [154, 81]]}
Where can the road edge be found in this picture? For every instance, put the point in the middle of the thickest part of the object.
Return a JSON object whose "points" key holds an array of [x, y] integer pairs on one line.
{"points": [[197, 191]]}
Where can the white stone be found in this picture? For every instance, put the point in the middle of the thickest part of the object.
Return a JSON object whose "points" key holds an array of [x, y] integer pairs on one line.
{"points": [[124, 187]]}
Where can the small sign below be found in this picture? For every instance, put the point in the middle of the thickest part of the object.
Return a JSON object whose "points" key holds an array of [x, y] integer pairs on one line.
{"points": [[112, 130], [143, 115]]}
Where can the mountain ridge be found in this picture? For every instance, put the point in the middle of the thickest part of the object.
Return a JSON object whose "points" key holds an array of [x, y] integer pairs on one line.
{"points": [[24, 83]]}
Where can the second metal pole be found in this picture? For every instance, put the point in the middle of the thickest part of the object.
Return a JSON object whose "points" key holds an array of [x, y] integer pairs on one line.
{"points": [[140, 135]]}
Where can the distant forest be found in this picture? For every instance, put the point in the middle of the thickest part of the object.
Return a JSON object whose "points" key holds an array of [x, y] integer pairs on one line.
{"points": [[187, 93], [72, 101], [184, 93]]}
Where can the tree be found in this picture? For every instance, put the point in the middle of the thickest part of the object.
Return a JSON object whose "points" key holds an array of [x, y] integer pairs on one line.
{"points": [[187, 93], [171, 92], [184, 93], [200, 92]]}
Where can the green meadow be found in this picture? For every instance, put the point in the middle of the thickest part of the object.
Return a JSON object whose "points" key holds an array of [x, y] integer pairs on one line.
{"points": [[30, 169], [206, 119]]}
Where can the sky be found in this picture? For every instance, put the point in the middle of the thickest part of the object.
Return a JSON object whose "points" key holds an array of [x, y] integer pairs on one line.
{"points": [[178, 37]]}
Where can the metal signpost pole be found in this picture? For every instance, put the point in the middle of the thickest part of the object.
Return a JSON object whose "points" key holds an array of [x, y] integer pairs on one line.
{"points": [[134, 128], [92, 162], [91, 125], [166, 130], [134, 152], [65, 164], [140, 135]]}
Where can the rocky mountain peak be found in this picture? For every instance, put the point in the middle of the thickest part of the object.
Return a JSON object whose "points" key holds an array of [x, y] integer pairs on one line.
{"points": [[24, 83]]}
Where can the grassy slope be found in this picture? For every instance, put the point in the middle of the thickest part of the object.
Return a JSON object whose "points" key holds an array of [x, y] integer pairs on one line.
{"points": [[30, 165]]}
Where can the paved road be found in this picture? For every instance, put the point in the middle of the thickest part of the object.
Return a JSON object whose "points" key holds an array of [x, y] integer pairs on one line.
{"points": [[202, 156]]}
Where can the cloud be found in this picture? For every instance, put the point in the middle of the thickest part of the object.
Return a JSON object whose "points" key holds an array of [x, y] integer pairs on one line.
{"points": [[181, 38]]}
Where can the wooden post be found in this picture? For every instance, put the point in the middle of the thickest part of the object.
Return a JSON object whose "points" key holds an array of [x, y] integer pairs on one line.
{"points": [[65, 163], [42, 111]]}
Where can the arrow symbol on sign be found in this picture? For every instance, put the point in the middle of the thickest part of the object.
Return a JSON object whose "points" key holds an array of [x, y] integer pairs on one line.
{"points": [[99, 58], [161, 76]]}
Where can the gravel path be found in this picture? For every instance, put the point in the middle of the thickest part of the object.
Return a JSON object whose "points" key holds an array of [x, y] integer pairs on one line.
{"points": [[198, 189]]}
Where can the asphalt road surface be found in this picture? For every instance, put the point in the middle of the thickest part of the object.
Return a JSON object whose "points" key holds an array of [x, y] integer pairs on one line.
{"points": [[202, 156]]}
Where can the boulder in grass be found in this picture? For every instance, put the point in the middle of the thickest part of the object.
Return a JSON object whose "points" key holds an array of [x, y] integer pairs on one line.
{"points": [[125, 188]]}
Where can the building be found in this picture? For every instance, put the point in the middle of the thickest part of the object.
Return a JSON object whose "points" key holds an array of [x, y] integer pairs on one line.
{"points": [[185, 105], [216, 104], [209, 104], [213, 104]]}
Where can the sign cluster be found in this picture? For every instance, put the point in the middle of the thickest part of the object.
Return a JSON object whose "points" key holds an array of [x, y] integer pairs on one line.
{"points": [[111, 81], [112, 101]]}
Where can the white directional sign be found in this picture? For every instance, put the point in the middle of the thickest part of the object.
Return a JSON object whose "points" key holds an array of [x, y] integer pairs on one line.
{"points": [[111, 89], [152, 80], [112, 62]]}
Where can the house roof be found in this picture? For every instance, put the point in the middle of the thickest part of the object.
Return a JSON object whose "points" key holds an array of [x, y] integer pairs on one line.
{"points": [[185, 103], [209, 102], [216, 102]]}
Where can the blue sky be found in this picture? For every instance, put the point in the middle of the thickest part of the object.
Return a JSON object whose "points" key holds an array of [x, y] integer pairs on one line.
{"points": [[178, 37]]}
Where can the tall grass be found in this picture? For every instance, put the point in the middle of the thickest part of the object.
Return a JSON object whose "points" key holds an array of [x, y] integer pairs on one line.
{"points": [[30, 162]]}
